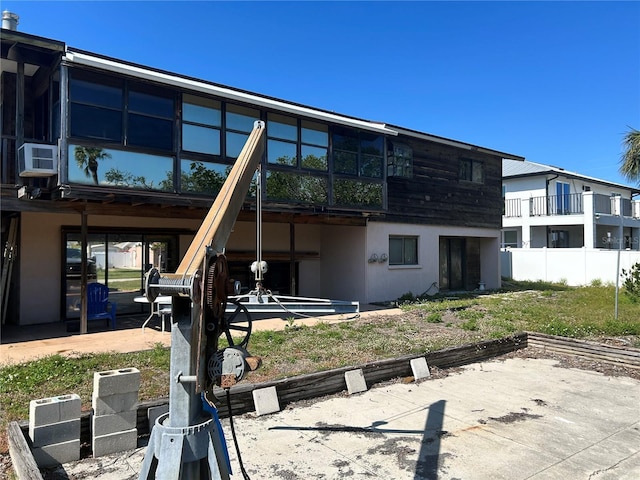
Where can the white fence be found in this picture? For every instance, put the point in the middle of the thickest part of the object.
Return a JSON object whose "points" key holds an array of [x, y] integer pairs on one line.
{"points": [[575, 266]]}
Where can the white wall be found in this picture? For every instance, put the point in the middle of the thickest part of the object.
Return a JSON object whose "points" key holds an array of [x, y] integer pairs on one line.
{"points": [[575, 266], [388, 282]]}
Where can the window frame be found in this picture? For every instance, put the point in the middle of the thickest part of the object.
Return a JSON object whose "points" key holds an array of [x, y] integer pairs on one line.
{"points": [[406, 260], [475, 169]]}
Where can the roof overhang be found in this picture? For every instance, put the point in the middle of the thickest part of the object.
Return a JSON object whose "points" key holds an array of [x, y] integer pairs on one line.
{"points": [[455, 143], [166, 78]]}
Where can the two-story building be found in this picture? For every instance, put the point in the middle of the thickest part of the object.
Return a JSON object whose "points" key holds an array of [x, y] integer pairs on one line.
{"points": [[130, 157], [547, 206], [563, 226]]}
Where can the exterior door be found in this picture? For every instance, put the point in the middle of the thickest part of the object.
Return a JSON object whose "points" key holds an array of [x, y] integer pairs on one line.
{"points": [[452, 262]]}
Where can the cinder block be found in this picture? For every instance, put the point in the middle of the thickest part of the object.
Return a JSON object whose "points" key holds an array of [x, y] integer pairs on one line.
{"points": [[355, 381], [154, 412], [57, 453], [118, 422], [266, 400], [54, 432], [111, 404], [420, 368], [54, 409], [111, 382], [115, 442]]}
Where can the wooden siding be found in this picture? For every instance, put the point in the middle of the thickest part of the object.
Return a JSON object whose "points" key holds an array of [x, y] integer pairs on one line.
{"points": [[435, 195]]}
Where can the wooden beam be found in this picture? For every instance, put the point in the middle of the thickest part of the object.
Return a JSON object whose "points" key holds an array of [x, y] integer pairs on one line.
{"points": [[217, 225]]}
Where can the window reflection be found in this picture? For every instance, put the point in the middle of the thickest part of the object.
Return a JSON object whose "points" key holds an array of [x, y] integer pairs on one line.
{"points": [[119, 168], [314, 157], [285, 128], [281, 153], [292, 187], [203, 177], [353, 193], [241, 118]]}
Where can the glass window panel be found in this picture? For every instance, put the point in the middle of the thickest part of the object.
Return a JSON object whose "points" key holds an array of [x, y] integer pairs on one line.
{"points": [[395, 250], [150, 104], [118, 168], [203, 115], [410, 251], [345, 162], [314, 157], [315, 133], [282, 153], [200, 139], [279, 126], [465, 170], [235, 143], [202, 177], [293, 187], [371, 166], [346, 141], [477, 172], [241, 118], [95, 122], [371, 144], [201, 110], [95, 93], [151, 132], [357, 194]]}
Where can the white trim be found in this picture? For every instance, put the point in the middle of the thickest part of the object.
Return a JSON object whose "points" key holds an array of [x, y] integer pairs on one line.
{"points": [[140, 72]]}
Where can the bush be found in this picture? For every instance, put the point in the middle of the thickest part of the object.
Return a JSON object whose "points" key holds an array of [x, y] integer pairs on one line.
{"points": [[632, 282]]}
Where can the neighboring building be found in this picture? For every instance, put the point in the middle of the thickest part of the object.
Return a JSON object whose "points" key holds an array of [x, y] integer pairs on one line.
{"points": [[132, 156], [548, 208]]}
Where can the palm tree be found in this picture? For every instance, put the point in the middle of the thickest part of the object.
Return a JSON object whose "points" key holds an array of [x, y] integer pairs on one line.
{"points": [[630, 161], [87, 159]]}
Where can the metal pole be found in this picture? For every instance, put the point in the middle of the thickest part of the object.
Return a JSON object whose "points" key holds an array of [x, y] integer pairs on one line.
{"points": [[620, 239]]}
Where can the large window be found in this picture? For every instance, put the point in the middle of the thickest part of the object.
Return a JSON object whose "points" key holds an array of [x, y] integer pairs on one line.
{"points": [[149, 119], [119, 168], [96, 109], [403, 250], [357, 153], [201, 125], [297, 158], [239, 123], [107, 109], [203, 177]]}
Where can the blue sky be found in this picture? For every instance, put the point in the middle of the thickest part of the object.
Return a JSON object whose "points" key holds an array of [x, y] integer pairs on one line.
{"points": [[555, 82]]}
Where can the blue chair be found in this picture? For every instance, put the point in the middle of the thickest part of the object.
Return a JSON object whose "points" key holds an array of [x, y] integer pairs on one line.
{"points": [[98, 305]]}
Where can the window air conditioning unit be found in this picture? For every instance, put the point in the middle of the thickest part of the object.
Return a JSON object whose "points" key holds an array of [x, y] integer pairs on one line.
{"points": [[37, 160]]}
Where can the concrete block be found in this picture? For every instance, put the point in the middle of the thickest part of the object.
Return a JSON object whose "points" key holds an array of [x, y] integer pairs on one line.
{"points": [[420, 368], [111, 382], [111, 404], [57, 453], [355, 381], [54, 409], [54, 432], [115, 442], [266, 400], [154, 412], [117, 422]]}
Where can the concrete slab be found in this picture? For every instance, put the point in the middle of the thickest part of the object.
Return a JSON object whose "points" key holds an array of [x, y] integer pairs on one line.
{"points": [[485, 422]]}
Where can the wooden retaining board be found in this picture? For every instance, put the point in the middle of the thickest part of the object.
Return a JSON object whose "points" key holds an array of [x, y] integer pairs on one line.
{"points": [[624, 356]]}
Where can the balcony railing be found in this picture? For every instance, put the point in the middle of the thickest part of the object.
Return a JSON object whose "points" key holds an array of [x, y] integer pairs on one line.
{"points": [[570, 204], [512, 207]]}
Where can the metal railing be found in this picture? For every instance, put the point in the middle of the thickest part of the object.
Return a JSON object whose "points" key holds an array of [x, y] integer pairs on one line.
{"points": [[570, 204], [512, 207]]}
